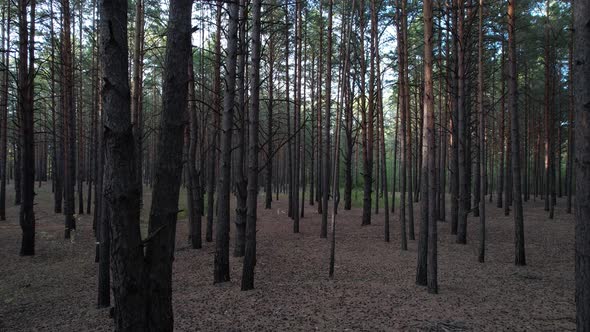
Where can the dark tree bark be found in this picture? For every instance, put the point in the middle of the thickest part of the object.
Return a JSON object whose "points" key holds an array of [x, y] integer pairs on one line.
{"points": [[430, 137], [327, 146], [121, 195], [582, 160], [297, 115], [26, 73], [214, 137], [381, 125], [221, 271], [319, 148], [404, 123], [369, 129], [482, 147], [242, 181], [69, 116], [168, 171], [250, 255], [80, 157], [571, 127], [515, 138], [137, 90], [499, 194], [427, 255], [288, 106], [193, 176], [454, 101], [4, 110], [57, 119], [336, 158], [101, 215], [548, 116], [348, 131], [462, 130], [269, 162]]}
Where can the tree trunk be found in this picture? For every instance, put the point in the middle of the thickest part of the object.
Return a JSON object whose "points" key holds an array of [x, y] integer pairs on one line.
{"points": [[250, 256], [69, 115], [429, 195], [327, 147], [426, 273], [571, 127], [4, 110], [482, 133], [194, 183], [214, 137], [455, 127], [403, 121], [269, 162], [461, 131], [169, 164], [121, 195], [582, 205], [137, 90], [26, 73], [221, 271], [499, 202], [297, 115], [515, 138], [242, 181]]}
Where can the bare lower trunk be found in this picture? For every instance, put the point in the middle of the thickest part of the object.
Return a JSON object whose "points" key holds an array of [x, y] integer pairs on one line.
{"points": [[582, 205], [513, 108], [167, 178], [250, 255]]}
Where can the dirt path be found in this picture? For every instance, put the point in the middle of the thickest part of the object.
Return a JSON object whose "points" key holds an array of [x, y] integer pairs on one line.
{"points": [[373, 289]]}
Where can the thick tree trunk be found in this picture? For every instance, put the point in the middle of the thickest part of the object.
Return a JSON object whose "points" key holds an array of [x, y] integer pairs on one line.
{"points": [[169, 164], [26, 73], [427, 152], [582, 160], [121, 195]]}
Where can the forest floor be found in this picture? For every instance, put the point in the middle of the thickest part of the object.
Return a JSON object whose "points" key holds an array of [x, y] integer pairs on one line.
{"points": [[373, 288]]}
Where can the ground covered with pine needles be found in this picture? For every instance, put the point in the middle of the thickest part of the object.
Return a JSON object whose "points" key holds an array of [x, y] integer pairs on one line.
{"points": [[373, 288]]}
